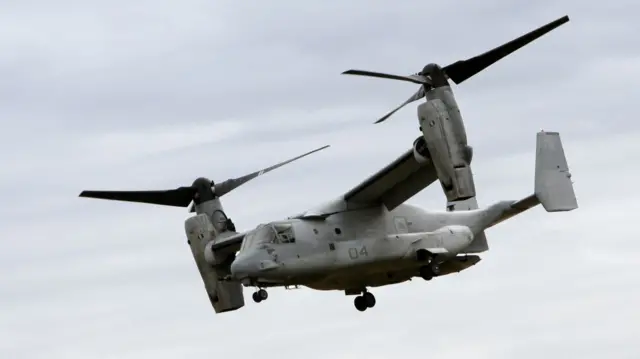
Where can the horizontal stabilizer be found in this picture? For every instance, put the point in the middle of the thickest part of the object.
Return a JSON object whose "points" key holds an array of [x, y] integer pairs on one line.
{"points": [[553, 185]]}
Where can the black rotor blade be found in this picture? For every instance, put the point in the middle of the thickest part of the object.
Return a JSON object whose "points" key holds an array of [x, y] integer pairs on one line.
{"points": [[233, 183], [461, 70], [179, 197], [416, 96], [415, 78]]}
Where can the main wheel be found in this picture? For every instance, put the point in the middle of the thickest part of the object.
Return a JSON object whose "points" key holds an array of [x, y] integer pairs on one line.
{"points": [[360, 303], [435, 269], [369, 299], [256, 297], [425, 273], [263, 294]]}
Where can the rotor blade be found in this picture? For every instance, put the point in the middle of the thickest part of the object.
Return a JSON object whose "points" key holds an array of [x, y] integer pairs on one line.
{"points": [[233, 183], [416, 96], [179, 197], [461, 70], [415, 78]]}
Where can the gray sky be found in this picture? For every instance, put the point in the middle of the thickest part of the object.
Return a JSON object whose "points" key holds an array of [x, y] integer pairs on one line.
{"points": [[151, 94]]}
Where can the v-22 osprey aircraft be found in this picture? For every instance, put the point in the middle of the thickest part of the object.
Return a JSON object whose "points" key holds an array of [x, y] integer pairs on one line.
{"points": [[368, 237], [365, 238]]}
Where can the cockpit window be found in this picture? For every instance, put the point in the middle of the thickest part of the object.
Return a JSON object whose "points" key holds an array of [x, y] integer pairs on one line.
{"points": [[285, 233], [268, 233], [262, 235]]}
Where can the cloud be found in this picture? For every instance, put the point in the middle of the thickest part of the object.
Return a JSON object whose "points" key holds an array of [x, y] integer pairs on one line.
{"points": [[151, 95]]}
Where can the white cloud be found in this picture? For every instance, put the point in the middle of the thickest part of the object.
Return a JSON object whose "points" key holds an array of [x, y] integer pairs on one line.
{"points": [[151, 95]]}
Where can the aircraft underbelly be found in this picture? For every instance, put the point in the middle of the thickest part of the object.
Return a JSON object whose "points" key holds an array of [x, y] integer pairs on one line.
{"points": [[385, 273], [362, 262]]}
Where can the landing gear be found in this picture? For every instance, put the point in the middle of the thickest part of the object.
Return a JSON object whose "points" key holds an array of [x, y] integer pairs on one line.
{"points": [[260, 295], [429, 271], [364, 301]]}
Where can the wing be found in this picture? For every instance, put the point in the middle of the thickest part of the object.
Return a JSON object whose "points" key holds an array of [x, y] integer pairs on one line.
{"points": [[231, 243], [394, 184]]}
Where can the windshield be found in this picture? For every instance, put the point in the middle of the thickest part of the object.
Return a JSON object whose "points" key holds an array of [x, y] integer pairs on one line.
{"points": [[261, 235]]}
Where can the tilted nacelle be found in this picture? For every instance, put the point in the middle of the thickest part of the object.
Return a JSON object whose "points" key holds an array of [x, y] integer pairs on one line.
{"points": [[446, 141], [213, 267]]}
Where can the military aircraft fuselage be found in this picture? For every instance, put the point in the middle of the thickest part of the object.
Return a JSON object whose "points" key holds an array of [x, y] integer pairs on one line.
{"points": [[357, 249]]}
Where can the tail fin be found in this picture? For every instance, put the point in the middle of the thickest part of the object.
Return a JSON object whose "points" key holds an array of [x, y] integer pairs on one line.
{"points": [[553, 186]]}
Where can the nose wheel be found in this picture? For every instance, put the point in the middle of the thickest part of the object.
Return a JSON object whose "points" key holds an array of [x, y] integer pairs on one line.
{"points": [[364, 301], [260, 295]]}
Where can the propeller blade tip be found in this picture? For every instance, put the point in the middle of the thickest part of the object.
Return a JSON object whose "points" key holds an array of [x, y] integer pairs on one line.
{"points": [[319, 149]]}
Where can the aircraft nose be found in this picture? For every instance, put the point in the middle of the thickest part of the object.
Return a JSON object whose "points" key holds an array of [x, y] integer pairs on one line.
{"points": [[242, 267]]}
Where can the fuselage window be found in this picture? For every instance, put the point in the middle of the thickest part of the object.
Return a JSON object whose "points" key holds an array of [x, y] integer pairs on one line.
{"points": [[284, 233], [287, 237]]}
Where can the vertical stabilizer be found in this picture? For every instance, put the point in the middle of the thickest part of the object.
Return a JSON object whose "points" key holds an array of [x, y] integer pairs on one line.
{"points": [[553, 188], [553, 185]]}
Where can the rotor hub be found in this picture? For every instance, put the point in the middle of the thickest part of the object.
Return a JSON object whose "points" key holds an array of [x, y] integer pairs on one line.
{"points": [[437, 75], [203, 190]]}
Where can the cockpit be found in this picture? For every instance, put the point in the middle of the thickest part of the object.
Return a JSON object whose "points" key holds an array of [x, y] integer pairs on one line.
{"points": [[265, 234]]}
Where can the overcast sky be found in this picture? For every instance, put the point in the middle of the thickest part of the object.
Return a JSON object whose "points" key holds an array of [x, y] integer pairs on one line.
{"points": [[150, 94]]}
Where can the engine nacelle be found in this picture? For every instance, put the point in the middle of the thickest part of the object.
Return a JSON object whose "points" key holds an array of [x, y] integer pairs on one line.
{"points": [[446, 140], [224, 295], [420, 151], [464, 186]]}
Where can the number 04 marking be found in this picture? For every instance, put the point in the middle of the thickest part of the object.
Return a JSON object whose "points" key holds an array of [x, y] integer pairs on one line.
{"points": [[355, 253]]}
